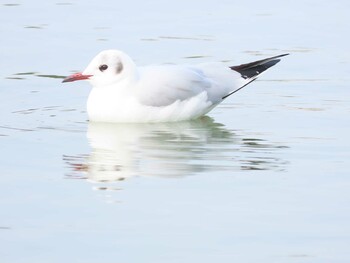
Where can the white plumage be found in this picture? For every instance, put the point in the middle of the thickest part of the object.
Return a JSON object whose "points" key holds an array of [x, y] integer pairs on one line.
{"points": [[123, 92]]}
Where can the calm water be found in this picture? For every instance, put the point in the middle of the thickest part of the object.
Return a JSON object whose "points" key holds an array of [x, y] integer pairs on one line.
{"points": [[263, 178]]}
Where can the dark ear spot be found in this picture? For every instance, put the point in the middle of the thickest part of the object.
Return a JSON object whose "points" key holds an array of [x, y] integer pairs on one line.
{"points": [[119, 68]]}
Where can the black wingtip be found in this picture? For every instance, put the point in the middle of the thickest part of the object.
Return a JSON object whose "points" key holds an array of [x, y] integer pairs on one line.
{"points": [[279, 56], [253, 69]]}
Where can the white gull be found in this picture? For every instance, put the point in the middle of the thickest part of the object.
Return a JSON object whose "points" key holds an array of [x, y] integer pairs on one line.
{"points": [[123, 92]]}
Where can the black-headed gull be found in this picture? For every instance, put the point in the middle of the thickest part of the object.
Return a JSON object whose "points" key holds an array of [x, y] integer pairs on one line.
{"points": [[123, 92]]}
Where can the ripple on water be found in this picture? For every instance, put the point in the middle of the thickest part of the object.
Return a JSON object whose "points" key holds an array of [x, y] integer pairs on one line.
{"points": [[42, 26], [21, 75], [11, 4]]}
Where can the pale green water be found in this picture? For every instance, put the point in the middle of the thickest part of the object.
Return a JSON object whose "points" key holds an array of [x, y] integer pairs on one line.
{"points": [[264, 178]]}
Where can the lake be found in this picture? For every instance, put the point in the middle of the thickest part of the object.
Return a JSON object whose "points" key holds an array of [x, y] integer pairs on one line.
{"points": [[263, 178]]}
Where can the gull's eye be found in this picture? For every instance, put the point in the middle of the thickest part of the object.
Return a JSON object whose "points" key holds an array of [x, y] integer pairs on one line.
{"points": [[103, 67]]}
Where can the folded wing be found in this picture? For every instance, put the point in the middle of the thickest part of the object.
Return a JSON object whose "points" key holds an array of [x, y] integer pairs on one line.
{"points": [[163, 85]]}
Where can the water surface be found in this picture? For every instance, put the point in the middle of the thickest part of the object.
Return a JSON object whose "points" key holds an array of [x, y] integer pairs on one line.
{"points": [[263, 178]]}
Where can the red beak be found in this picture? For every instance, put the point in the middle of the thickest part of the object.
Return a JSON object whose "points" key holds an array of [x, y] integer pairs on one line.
{"points": [[76, 76]]}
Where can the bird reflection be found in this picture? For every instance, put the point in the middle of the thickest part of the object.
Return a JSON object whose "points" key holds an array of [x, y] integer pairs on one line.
{"points": [[121, 151]]}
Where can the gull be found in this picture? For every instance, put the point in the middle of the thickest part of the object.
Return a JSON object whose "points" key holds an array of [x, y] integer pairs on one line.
{"points": [[123, 92]]}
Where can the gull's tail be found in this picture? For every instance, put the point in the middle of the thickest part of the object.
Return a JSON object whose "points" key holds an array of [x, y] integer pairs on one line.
{"points": [[251, 71]]}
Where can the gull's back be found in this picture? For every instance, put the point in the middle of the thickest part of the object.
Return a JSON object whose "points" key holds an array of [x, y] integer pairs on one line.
{"points": [[164, 84]]}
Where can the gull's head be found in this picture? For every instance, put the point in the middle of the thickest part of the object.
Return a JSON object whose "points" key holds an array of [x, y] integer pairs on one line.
{"points": [[107, 68]]}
